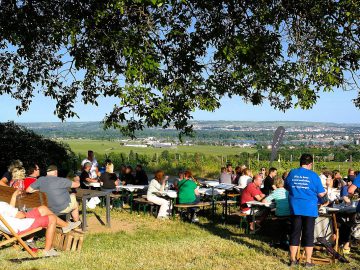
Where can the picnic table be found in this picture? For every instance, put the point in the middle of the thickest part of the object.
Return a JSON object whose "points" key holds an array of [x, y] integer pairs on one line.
{"points": [[256, 205], [85, 194], [343, 208], [131, 189]]}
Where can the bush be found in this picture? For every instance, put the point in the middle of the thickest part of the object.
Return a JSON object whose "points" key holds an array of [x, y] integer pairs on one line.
{"points": [[17, 142]]}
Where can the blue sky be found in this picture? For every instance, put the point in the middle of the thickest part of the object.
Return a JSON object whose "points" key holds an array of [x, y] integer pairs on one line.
{"points": [[331, 107]]}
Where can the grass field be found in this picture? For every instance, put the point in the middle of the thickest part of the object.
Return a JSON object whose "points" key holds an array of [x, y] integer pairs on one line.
{"points": [[142, 242], [103, 147]]}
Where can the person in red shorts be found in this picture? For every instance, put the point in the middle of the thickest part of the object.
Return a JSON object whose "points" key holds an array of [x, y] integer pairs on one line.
{"points": [[252, 192], [23, 222]]}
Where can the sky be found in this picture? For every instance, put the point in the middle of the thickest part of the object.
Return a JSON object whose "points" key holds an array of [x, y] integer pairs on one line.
{"points": [[336, 107]]}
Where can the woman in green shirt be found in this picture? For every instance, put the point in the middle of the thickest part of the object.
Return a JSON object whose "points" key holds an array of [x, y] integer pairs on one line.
{"points": [[188, 193]]}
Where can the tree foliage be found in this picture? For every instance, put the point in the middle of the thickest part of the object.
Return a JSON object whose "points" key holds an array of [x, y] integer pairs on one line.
{"points": [[163, 59], [18, 142]]}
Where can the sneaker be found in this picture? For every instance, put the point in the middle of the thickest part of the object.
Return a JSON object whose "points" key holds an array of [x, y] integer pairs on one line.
{"points": [[71, 226], [195, 219], [294, 263], [50, 253], [308, 264], [32, 246]]}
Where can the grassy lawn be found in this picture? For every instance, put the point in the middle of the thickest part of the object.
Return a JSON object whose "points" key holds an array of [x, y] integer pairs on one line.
{"points": [[142, 242], [103, 147]]}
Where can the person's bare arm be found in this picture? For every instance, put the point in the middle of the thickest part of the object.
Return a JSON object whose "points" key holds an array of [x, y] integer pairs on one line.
{"points": [[91, 180], [3, 181], [322, 194], [30, 190], [259, 197], [352, 189], [13, 197], [75, 184]]}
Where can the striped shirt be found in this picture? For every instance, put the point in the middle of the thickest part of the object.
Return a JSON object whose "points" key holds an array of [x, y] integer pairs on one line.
{"points": [[281, 198]]}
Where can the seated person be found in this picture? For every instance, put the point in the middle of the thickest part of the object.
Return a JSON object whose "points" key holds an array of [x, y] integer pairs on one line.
{"points": [[109, 179], [226, 176], [331, 192], [158, 185], [188, 193], [245, 178], [128, 178], [18, 175], [57, 191], [252, 192], [141, 177], [33, 172], [22, 222], [6, 178], [344, 194], [86, 176], [177, 180], [281, 197], [269, 182]]}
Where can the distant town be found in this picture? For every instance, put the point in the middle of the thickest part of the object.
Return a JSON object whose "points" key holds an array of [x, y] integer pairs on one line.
{"points": [[231, 133]]}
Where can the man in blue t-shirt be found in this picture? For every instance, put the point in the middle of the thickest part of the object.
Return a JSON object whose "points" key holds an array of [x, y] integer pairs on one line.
{"points": [[304, 188], [352, 188]]}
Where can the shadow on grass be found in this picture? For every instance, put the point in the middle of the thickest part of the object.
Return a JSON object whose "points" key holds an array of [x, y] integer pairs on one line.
{"points": [[21, 260], [243, 239]]}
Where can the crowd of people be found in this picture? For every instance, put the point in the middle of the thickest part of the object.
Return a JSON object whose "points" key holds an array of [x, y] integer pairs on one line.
{"points": [[297, 194]]}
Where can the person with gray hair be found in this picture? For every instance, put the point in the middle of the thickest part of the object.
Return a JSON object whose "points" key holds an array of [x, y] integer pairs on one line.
{"points": [[56, 189]]}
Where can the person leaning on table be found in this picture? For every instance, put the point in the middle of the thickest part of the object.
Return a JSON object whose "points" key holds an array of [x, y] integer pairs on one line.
{"points": [[304, 188], [158, 185]]}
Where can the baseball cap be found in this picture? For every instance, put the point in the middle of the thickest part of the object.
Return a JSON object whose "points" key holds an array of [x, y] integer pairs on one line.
{"points": [[51, 168]]}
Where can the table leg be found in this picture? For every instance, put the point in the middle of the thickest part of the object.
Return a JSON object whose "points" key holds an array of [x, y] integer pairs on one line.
{"points": [[131, 201], [226, 205], [84, 225], [108, 210], [213, 204]]}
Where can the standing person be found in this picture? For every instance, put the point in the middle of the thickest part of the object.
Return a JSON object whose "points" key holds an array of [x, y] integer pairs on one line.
{"points": [[158, 185], [269, 181], [304, 188], [141, 177], [33, 172], [94, 171]]}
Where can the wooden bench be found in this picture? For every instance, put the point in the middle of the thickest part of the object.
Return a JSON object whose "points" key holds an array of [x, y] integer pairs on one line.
{"points": [[143, 202], [30, 200]]}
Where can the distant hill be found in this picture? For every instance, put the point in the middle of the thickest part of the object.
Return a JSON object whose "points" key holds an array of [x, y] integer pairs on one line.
{"points": [[209, 131]]}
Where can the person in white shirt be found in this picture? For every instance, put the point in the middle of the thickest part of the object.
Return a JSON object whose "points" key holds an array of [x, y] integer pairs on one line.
{"points": [[22, 222], [332, 193], [245, 178], [158, 185], [94, 171]]}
